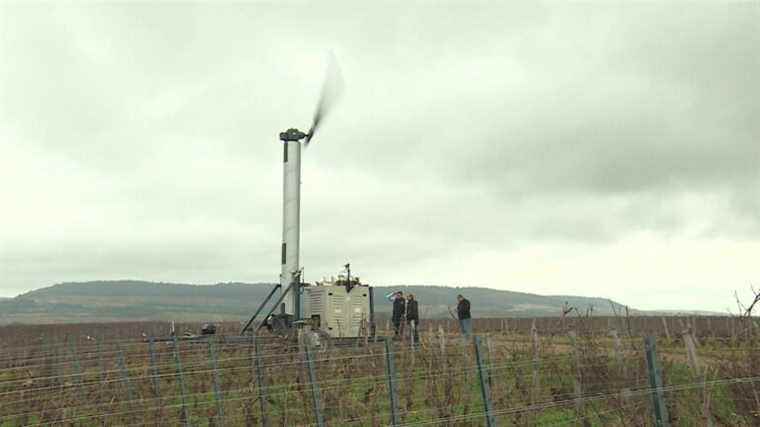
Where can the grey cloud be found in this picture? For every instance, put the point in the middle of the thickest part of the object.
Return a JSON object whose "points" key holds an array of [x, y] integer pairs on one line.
{"points": [[465, 129]]}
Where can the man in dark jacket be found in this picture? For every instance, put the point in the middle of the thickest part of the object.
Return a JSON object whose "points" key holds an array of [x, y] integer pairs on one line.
{"points": [[413, 315], [399, 311], [463, 313]]}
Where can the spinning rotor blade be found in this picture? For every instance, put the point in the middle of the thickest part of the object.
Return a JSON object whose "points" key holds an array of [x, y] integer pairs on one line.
{"points": [[332, 88]]}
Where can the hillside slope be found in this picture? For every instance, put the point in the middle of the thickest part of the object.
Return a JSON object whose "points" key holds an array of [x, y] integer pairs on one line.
{"points": [[140, 300]]}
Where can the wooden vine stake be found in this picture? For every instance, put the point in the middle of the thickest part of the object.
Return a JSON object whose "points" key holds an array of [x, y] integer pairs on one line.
{"points": [[665, 327], [536, 361], [691, 347], [578, 383], [260, 383], [442, 339], [218, 397]]}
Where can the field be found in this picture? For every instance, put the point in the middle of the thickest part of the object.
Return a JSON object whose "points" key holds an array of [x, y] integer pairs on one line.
{"points": [[580, 370]]}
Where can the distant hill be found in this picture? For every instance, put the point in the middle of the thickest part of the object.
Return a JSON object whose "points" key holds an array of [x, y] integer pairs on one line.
{"points": [[139, 300]]}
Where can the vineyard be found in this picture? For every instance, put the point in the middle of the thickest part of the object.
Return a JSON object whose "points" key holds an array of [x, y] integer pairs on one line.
{"points": [[549, 371]]}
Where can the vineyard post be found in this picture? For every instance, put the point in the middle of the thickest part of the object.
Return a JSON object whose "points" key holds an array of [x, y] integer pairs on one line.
{"points": [[75, 358], [412, 333], [366, 331], [618, 348], [578, 384], [217, 383], [100, 361], [442, 339], [154, 368], [485, 389], [665, 326], [125, 375], [56, 370], [693, 330], [252, 359], [691, 348], [314, 387], [536, 361], [625, 392], [750, 328], [260, 380], [48, 363], [51, 368], [181, 381], [390, 372], [490, 354], [154, 373], [655, 383]]}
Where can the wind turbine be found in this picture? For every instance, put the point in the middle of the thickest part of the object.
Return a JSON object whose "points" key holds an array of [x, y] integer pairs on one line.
{"points": [[293, 140]]}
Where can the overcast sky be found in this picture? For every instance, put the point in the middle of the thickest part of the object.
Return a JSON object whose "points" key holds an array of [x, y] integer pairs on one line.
{"points": [[594, 149]]}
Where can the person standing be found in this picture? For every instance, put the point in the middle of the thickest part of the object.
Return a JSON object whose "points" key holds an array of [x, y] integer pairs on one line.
{"points": [[413, 317], [463, 313], [399, 311]]}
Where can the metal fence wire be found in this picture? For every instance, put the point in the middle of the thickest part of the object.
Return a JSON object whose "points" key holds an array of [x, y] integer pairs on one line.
{"points": [[506, 374]]}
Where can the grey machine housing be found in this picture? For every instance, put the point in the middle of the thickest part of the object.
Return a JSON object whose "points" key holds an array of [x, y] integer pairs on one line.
{"points": [[340, 307]]}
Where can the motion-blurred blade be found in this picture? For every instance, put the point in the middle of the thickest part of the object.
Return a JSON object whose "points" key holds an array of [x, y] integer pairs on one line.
{"points": [[332, 89]]}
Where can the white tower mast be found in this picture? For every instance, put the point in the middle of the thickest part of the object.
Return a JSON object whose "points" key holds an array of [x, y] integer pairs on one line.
{"points": [[290, 272]]}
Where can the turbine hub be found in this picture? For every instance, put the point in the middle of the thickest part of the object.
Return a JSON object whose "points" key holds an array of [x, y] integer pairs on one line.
{"points": [[292, 135]]}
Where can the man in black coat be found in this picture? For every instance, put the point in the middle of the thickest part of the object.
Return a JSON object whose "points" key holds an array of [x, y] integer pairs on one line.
{"points": [[413, 315], [399, 311], [463, 313]]}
